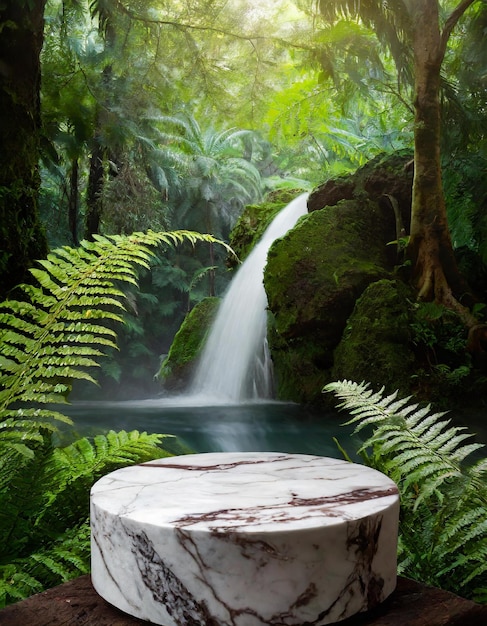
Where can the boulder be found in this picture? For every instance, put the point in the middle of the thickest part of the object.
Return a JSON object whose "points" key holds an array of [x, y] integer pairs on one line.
{"points": [[177, 368], [382, 177], [375, 346], [317, 272]]}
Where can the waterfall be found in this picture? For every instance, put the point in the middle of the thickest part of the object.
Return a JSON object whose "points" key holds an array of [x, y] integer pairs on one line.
{"points": [[235, 365]]}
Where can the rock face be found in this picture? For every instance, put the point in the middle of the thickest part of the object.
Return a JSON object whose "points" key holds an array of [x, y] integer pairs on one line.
{"points": [[317, 272], [177, 367], [389, 175], [339, 305], [374, 347], [255, 219]]}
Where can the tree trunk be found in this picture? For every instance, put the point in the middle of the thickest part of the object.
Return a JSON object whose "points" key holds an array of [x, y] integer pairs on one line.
{"points": [[435, 271], [22, 238], [96, 177], [73, 200], [96, 180]]}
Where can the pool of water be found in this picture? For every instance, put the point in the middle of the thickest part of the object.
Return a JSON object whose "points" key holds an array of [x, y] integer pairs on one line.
{"points": [[200, 426], [262, 426]]}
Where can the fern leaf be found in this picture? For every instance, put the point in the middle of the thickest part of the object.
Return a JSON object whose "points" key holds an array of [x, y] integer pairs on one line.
{"points": [[73, 286], [467, 526], [85, 458], [47, 342], [422, 420], [54, 566], [16, 585], [443, 526]]}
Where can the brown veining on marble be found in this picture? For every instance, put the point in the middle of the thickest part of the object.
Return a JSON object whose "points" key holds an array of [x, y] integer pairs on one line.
{"points": [[212, 468], [328, 506]]}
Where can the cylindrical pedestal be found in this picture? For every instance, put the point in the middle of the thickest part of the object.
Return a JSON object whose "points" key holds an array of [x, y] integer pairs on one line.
{"points": [[244, 539]]}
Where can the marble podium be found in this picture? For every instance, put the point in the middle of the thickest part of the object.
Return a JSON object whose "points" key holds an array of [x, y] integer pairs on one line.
{"points": [[244, 539]]}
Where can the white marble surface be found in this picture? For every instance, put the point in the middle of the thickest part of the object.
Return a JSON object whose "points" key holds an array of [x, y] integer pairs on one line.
{"points": [[244, 539]]}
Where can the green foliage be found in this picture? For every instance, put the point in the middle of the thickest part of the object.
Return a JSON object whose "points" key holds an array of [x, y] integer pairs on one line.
{"points": [[50, 339], [466, 197], [440, 340], [218, 178], [47, 341], [436, 326], [443, 522], [44, 525], [176, 282]]}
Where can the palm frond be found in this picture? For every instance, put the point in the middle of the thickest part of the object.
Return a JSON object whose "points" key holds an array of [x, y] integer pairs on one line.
{"points": [[391, 21]]}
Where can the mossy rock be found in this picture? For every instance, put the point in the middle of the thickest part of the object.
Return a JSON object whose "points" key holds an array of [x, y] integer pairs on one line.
{"points": [[254, 221], [318, 271], [313, 277], [178, 366], [376, 344], [385, 175]]}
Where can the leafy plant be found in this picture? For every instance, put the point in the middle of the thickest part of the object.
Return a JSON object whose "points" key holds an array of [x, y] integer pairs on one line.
{"points": [[443, 522], [440, 339], [47, 341]]}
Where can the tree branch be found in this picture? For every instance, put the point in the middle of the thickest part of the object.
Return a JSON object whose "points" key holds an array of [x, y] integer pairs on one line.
{"points": [[221, 31], [451, 22]]}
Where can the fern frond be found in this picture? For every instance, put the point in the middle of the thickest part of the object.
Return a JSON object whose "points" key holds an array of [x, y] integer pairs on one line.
{"points": [[16, 585], [70, 471], [423, 432], [443, 526], [46, 342], [65, 557], [85, 457], [52, 338]]}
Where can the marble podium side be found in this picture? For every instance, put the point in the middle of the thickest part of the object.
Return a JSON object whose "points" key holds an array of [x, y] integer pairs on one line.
{"points": [[244, 539]]}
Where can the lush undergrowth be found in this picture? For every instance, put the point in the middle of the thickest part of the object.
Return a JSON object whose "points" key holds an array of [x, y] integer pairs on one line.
{"points": [[57, 334], [52, 337], [442, 484]]}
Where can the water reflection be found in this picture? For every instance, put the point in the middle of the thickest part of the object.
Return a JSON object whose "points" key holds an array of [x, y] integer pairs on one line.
{"points": [[255, 426]]}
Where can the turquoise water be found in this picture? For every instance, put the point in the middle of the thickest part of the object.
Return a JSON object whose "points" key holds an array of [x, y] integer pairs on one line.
{"points": [[262, 426], [253, 426]]}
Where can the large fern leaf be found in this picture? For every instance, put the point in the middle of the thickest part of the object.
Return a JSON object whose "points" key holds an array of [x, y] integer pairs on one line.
{"points": [[443, 528], [44, 514], [61, 329], [55, 561], [46, 342]]}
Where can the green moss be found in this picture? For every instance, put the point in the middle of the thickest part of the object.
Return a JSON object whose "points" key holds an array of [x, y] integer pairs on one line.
{"points": [[255, 219], [329, 257], [299, 368], [313, 277], [177, 367], [376, 345]]}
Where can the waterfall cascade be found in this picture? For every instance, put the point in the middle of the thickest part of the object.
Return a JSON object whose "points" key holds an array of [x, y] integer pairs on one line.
{"points": [[235, 365]]}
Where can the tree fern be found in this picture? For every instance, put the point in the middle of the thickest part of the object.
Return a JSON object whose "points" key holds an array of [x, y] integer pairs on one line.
{"points": [[56, 335], [443, 526]]}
